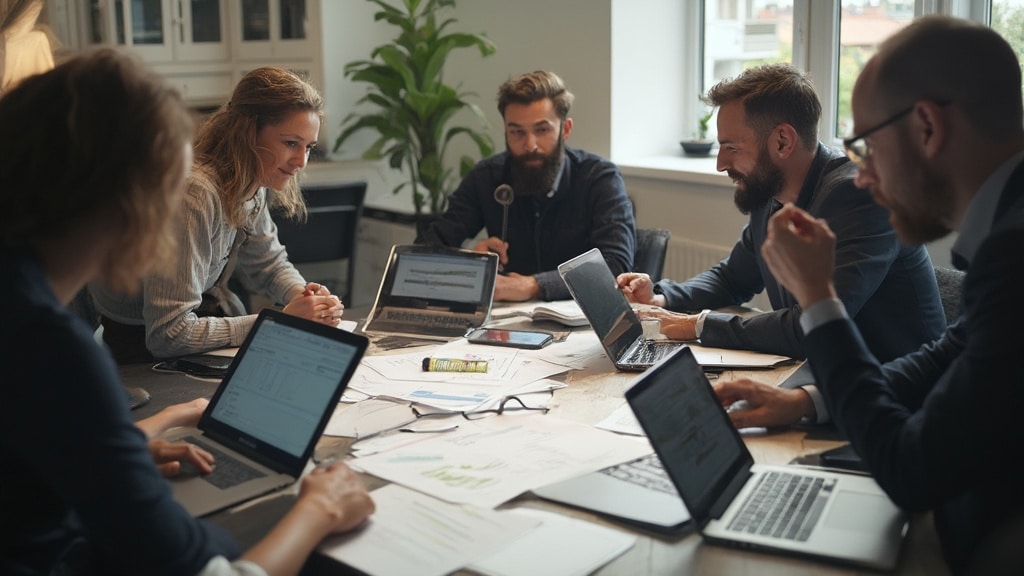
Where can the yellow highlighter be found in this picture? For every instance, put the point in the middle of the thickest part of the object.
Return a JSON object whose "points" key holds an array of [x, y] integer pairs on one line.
{"points": [[454, 365]]}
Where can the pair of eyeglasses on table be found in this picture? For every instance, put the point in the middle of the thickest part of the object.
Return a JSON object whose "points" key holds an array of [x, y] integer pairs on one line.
{"points": [[503, 406], [507, 404]]}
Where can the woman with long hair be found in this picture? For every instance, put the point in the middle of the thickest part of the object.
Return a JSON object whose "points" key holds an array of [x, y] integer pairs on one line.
{"points": [[96, 154], [248, 154]]}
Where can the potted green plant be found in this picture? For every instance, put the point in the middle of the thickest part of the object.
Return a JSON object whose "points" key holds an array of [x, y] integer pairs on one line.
{"points": [[700, 146], [410, 106]]}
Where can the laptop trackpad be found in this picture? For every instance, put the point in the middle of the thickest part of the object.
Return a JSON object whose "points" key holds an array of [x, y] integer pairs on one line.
{"points": [[857, 511]]}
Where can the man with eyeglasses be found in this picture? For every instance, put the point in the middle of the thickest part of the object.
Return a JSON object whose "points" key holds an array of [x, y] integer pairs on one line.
{"points": [[767, 130], [540, 201], [940, 143]]}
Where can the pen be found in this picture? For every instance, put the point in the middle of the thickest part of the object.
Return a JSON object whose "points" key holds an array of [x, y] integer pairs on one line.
{"points": [[453, 365]]}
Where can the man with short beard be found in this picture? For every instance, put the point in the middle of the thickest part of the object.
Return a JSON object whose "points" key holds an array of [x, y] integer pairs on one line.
{"points": [[563, 201], [767, 131]]}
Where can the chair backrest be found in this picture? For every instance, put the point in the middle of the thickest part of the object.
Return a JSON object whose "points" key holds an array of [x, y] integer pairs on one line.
{"points": [[651, 247], [950, 283], [329, 232], [85, 308]]}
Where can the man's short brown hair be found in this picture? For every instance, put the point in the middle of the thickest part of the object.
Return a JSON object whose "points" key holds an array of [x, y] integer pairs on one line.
{"points": [[533, 86], [773, 94]]}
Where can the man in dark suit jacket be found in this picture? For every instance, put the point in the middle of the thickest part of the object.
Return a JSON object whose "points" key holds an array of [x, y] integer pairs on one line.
{"points": [[938, 116], [768, 133]]}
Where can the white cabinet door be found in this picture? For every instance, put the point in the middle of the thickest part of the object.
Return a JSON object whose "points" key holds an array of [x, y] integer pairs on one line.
{"points": [[201, 31], [161, 31], [272, 29]]}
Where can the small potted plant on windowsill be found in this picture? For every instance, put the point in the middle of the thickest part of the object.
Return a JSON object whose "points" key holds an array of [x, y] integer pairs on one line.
{"points": [[700, 146]]}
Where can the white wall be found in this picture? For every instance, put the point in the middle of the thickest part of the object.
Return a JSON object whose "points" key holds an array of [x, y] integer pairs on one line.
{"points": [[569, 37], [621, 58]]}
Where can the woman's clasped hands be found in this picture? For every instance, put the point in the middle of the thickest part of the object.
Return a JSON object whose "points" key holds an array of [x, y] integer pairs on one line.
{"points": [[316, 302]]}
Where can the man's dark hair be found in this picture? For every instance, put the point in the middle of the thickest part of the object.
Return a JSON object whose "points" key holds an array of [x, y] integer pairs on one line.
{"points": [[773, 94], [533, 86]]}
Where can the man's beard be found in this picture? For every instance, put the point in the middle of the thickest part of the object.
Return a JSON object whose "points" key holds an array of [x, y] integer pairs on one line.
{"points": [[755, 189], [931, 207], [529, 180]]}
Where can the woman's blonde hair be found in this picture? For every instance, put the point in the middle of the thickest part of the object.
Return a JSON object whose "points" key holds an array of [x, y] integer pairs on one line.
{"points": [[99, 134], [226, 144]]}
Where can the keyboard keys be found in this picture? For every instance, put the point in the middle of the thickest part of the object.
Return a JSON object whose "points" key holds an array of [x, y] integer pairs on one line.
{"points": [[440, 321], [647, 472], [784, 505], [227, 471]]}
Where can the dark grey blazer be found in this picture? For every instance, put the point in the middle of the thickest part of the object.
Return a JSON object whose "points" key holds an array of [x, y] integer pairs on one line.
{"points": [[888, 289], [939, 429]]}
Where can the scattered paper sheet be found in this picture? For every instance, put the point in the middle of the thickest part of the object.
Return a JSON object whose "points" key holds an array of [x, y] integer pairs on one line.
{"points": [[368, 417], [622, 421], [562, 546], [581, 351], [410, 366], [411, 533], [729, 358], [489, 461]]}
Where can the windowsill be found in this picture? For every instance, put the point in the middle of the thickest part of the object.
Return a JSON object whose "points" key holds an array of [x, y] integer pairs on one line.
{"points": [[676, 168]]}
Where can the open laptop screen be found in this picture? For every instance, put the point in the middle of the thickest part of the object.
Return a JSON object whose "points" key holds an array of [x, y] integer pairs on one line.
{"points": [[594, 289], [691, 432], [437, 278], [283, 367], [277, 396], [434, 277]]}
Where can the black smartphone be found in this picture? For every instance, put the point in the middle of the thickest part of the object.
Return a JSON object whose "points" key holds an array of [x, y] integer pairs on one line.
{"points": [[842, 457], [512, 338], [205, 366]]}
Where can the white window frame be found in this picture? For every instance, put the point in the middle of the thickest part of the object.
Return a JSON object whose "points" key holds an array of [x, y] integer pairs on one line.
{"points": [[815, 48]]}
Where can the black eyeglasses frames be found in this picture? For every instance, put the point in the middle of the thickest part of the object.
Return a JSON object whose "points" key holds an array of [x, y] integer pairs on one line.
{"points": [[858, 149]]}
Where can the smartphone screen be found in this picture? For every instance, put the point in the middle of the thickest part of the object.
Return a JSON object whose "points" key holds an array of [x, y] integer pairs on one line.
{"points": [[512, 338]]}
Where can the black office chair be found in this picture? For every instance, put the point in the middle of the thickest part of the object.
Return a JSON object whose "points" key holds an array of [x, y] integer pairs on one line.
{"points": [[950, 283], [651, 247], [329, 232]]}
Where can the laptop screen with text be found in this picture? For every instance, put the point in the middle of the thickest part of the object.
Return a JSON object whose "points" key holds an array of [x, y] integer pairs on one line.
{"points": [[281, 384]]}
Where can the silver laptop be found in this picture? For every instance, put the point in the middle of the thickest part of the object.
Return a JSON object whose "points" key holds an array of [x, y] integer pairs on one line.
{"points": [[269, 411], [434, 293], [593, 286], [789, 509], [638, 492]]}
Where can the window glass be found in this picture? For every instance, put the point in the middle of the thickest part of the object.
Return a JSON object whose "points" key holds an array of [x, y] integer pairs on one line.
{"points": [[863, 25], [293, 19], [1008, 20], [741, 34], [147, 22], [255, 20], [205, 21]]}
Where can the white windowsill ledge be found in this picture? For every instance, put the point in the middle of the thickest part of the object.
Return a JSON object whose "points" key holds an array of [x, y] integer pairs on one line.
{"points": [[676, 168]]}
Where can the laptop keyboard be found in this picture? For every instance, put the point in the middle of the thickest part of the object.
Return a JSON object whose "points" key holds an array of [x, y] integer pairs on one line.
{"points": [[649, 352], [227, 471], [646, 472], [435, 320], [784, 505]]}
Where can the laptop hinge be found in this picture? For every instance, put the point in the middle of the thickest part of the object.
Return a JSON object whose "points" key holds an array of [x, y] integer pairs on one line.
{"points": [[726, 497]]}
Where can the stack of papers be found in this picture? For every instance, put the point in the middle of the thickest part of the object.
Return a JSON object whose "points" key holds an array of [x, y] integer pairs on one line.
{"points": [[411, 533]]}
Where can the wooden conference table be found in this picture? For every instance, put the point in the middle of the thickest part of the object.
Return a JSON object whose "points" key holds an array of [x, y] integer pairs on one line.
{"points": [[590, 397]]}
